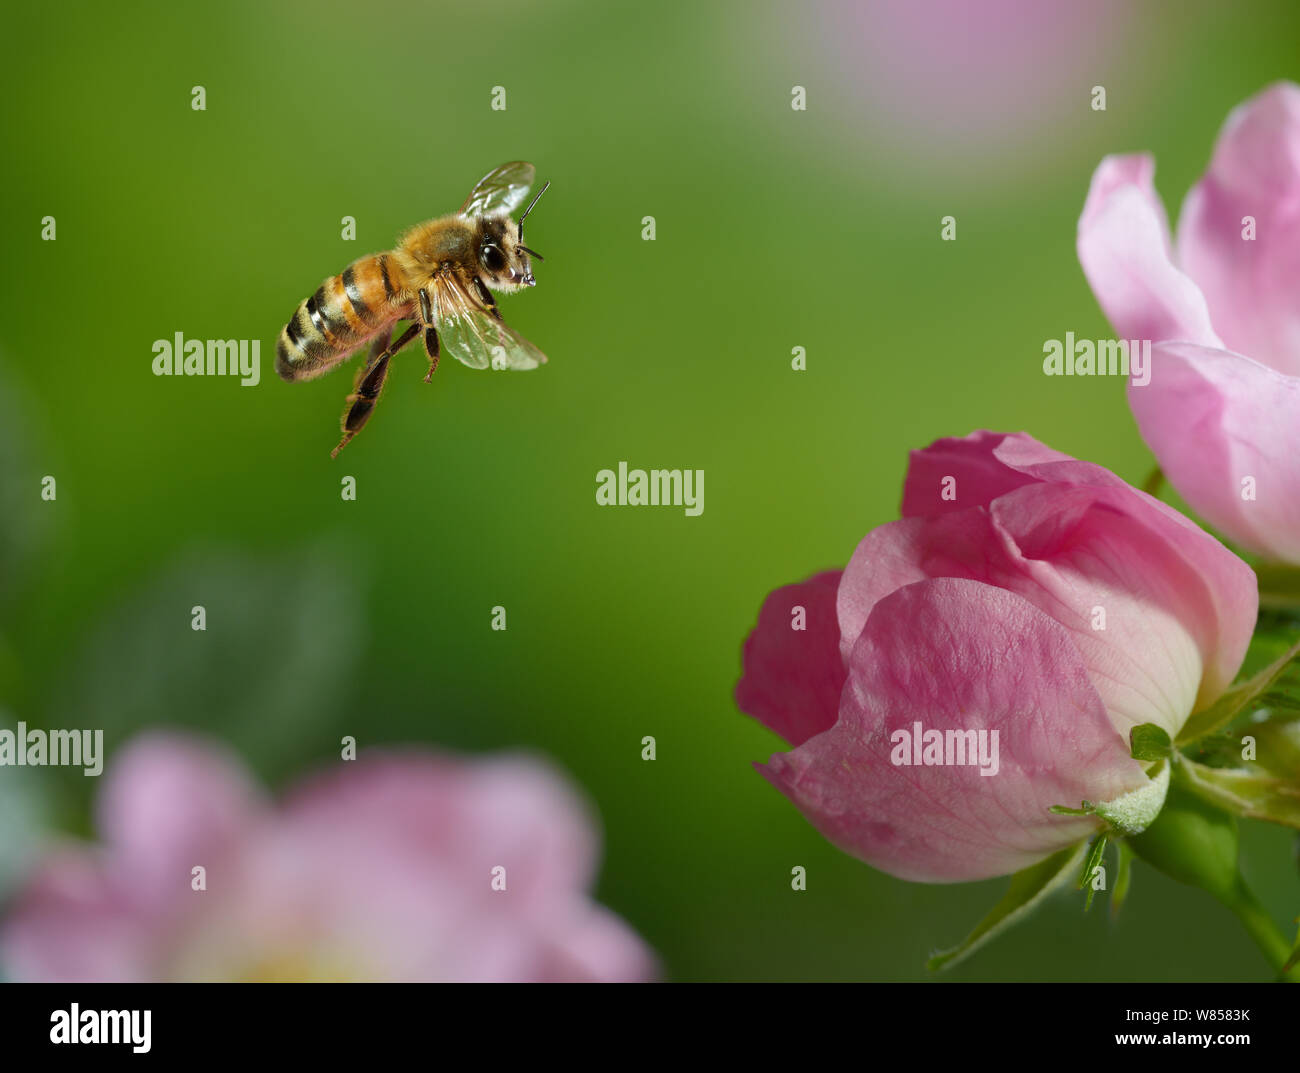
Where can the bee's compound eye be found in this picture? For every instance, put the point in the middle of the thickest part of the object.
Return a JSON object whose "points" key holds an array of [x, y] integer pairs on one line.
{"points": [[492, 257]]}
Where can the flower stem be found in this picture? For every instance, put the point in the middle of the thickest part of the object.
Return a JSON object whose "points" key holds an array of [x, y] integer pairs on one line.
{"points": [[1255, 919]]}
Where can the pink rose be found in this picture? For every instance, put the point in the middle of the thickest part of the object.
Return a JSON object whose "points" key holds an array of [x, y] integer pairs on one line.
{"points": [[1222, 410], [382, 869], [1029, 608]]}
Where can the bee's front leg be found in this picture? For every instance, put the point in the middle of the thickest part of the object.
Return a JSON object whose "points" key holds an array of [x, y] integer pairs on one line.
{"points": [[485, 296]]}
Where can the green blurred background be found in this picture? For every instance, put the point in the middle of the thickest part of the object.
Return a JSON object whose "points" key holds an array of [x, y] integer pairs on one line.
{"points": [[775, 228]]}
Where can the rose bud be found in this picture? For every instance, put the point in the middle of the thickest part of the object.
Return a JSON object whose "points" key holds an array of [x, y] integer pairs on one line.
{"points": [[985, 658]]}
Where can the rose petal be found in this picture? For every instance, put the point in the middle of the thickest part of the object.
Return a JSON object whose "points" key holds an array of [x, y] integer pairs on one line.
{"points": [[1252, 286], [986, 465], [1227, 619], [597, 946], [385, 869], [71, 924], [1123, 245], [170, 802], [955, 654], [1214, 418], [909, 550], [1179, 607], [515, 809], [791, 679], [982, 466], [1140, 614]]}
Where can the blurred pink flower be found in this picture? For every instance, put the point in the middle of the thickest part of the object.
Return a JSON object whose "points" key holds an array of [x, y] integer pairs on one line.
{"points": [[979, 611], [1223, 313], [380, 870], [945, 79]]}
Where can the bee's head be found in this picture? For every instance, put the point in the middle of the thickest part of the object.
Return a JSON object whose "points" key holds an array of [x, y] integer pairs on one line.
{"points": [[504, 261]]}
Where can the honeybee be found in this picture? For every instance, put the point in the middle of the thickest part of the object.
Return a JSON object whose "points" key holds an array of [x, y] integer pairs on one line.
{"points": [[441, 277]]}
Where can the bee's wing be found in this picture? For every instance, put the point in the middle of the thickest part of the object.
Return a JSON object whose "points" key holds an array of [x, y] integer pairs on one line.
{"points": [[501, 189], [472, 335]]}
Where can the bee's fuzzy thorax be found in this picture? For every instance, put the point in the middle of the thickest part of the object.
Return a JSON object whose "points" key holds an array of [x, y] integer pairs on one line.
{"points": [[425, 246]]}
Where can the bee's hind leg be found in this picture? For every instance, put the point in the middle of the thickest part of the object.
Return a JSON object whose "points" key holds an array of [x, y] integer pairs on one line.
{"points": [[370, 382], [430, 336], [431, 349]]}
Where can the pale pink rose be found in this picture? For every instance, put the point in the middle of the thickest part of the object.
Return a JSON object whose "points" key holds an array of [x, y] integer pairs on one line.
{"points": [[379, 870], [1222, 410], [978, 611]]}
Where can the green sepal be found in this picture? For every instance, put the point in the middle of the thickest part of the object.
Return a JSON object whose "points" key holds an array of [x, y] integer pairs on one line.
{"points": [[1123, 878], [1251, 792], [1029, 887], [1155, 479], [1147, 741], [1134, 811], [1096, 851], [1275, 686], [1131, 812]]}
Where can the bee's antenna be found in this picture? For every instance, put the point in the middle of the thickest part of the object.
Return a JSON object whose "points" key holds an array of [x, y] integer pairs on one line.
{"points": [[531, 253], [530, 209]]}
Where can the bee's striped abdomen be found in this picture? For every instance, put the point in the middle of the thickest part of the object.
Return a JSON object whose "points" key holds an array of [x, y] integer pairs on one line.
{"points": [[345, 311]]}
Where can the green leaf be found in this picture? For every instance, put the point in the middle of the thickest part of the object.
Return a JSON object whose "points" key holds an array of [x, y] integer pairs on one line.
{"points": [[1247, 792], [1095, 854], [1276, 686], [26, 815], [27, 521], [1147, 741], [1027, 890], [1123, 878], [275, 664]]}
